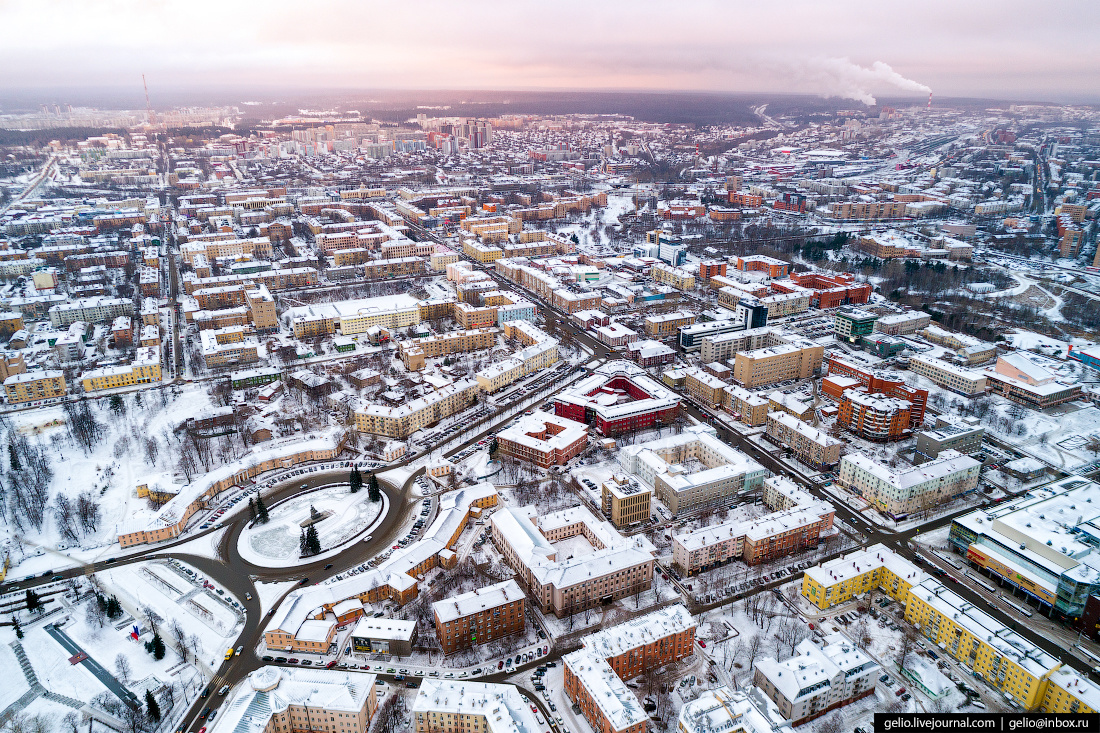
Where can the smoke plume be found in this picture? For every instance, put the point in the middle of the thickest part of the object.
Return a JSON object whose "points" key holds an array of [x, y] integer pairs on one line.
{"points": [[840, 77]]}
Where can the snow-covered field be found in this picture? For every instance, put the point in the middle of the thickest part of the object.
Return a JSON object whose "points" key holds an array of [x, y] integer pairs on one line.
{"points": [[347, 515]]}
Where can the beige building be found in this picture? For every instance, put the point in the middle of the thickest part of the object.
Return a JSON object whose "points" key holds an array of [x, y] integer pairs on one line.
{"points": [[293, 700], [404, 420], [958, 379], [626, 501], [812, 446], [32, 386], [672, 276], [415, 351], [799, 359]]}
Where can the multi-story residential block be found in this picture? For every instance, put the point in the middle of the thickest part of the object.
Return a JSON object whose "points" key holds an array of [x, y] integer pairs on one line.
{"points": [[144, 369], [828, 291], [404, 420], [708, 269], [725, 473], [89, 310], [650, 353], [797, 523], [899, 491], [647, 642], [414, 351], [759, 263], [674, 276], [875, 417], [625, 501], [615, 335], [723, 709], [615, 568], [480, 616], [799, 358], [876, 567], [261, 308], [291, 700], [888, 383], [543, 439], [465, 706], [220, 352], [32, 386], [812, 446], [1000, 656], [667, 325], [605, 701], [817, 679], [903, 324], [748, 407], [961, 380]]}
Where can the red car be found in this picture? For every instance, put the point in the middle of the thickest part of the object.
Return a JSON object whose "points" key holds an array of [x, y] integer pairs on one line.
{"points": [[202, 729], [702, 643]]}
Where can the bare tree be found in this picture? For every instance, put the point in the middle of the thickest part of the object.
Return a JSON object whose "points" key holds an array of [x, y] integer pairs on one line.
{"points": [[122, 668], [87, 511], [64, 513]]}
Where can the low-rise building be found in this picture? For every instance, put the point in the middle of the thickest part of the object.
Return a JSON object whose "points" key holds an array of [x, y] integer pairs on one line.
{"points": [[899, 491], [964, 435], [817, 679], [392, 636], [294, 700], [33, 386], [812, 446], [605, 701], [903, 324], [853, 323], [445, 706], [543, 439], [480, 616], [876, 567]]}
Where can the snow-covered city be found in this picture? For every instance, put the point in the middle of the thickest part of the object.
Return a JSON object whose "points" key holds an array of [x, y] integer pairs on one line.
{"points": [[548, 413]]}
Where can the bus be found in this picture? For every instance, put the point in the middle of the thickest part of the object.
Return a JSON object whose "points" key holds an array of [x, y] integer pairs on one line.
{"points": [[1019, 609], [981, 582]]}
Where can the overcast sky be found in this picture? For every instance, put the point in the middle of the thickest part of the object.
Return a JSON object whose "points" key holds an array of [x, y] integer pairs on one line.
{"points": [[1008, 49]]}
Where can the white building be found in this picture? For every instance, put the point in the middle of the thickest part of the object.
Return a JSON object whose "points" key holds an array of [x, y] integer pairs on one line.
{"points": [[817, 679], [898, 491]]}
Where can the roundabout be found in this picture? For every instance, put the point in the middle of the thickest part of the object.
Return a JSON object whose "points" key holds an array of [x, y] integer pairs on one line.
{"points": [[339, 516]]}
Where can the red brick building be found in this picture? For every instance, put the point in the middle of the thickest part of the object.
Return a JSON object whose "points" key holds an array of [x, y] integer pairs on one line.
{"points": [[482, 615]]}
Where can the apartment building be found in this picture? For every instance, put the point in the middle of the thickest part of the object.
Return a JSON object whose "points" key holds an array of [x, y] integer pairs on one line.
{"points": [[958, 379], [33, 386], [415, 351], [888, 383], [874, 417], [708, 269], [465, 706], [666, 325], [899, 491], [650, 353], [729, 711], [144, 369], [798, 359], [647, 642], [817, 679], [705, 388], [543, 439], [404, 420], [89, 310], [998, 655], [261, 308], [795, 524], [812, 446], [480, 616], [469, 316], [625, 501], [759, 263], [605, 701], [353, 317], [616, 567], [676, 277], [292, 700], [903, 324], [725, 472], [748, 407], [874, 568]]}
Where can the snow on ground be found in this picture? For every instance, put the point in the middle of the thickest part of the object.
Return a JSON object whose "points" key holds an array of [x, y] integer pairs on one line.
{"points": [[346, 516], [171, 593], [117, 463], [269, 593], [14, 683], [205, 546]]}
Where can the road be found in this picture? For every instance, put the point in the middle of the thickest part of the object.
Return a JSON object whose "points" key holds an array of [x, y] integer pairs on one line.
{"points": [[94, 667]]}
